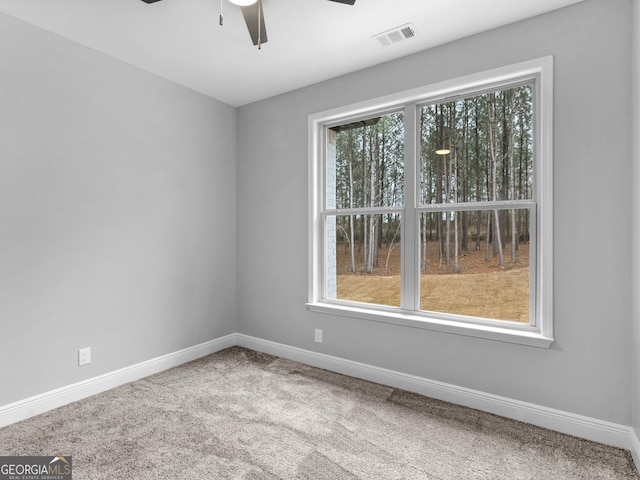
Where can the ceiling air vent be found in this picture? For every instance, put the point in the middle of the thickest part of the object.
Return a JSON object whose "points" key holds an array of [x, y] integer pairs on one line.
{"points": [[395, 35]]}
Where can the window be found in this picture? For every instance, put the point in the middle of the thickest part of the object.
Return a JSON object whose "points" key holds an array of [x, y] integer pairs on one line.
{"points": [[432, 208]]}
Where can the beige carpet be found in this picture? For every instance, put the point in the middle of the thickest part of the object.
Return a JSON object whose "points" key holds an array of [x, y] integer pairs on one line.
{"points": [[246, 415]]}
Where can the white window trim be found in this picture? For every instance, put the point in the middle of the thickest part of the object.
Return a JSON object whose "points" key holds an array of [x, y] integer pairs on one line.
{"points": [[539, 335]]}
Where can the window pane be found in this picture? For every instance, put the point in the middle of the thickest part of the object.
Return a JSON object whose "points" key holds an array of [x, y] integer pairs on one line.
{"points": [[478, 149], [363, 258], [470, 265], [365, 163]]}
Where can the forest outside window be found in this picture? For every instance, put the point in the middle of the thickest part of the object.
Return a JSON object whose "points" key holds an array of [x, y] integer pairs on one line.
{"points": [[432, 208]]}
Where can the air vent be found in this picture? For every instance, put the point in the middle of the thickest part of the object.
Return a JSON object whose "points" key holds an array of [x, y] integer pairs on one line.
{"points": [[395, 35]]}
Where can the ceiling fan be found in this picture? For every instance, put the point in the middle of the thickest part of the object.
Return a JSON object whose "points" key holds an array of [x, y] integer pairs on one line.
{"points": [[254, 17]]}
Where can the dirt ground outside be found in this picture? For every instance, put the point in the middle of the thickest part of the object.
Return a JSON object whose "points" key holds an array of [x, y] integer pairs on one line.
{"points": [[480, 288]]}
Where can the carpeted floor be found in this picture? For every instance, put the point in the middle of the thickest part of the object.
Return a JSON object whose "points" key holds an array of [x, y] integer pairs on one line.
{"points": [[246, 415]]}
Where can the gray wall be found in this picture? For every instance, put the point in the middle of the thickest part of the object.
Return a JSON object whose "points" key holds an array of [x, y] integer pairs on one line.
{"points": [[117, 215], [587, 371], [635, 373]]}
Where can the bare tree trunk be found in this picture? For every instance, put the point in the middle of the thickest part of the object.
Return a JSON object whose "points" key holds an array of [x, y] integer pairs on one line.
{"points": [[486, 243], [440, 172], [440, 240], [365, 219], [512, 186], [372, 218], [365, 243], [372, 241], [391, 247], [476, 151], [352, 252], [456, 265], [454, 176], [464, 245], [522, 160], [448, 225], [423, 260], [455, 216], [376, 193], [423, 257], [494, 173]]}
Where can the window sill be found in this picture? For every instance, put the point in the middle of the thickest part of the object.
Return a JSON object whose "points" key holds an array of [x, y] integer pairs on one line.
{"points": [[522, 336]]}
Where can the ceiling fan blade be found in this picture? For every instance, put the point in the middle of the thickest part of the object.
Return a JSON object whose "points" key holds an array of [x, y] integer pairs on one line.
{"points": [[346, 2], [250, 14]]}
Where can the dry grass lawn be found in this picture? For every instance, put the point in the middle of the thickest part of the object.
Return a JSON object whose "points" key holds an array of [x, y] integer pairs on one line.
{"points": [[481, 289], [499, 295]]}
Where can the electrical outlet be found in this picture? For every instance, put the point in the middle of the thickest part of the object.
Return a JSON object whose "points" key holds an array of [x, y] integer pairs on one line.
{"points": [[318, 335], [84, 356]]}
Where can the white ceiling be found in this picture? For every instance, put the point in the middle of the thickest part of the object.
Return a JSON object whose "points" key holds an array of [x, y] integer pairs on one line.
{"points": [[309, 40]]}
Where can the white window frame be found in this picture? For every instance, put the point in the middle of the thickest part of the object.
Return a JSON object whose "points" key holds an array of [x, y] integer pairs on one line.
{"points": [[540, 332]]}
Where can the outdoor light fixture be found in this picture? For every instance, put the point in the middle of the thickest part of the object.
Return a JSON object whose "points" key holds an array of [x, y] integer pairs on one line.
{"points": [[443, 151], [243, 3]]}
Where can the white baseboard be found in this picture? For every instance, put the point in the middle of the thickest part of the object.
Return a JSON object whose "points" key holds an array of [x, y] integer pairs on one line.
{"points": [[580, 426], [29, 407], [635, 448]]}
